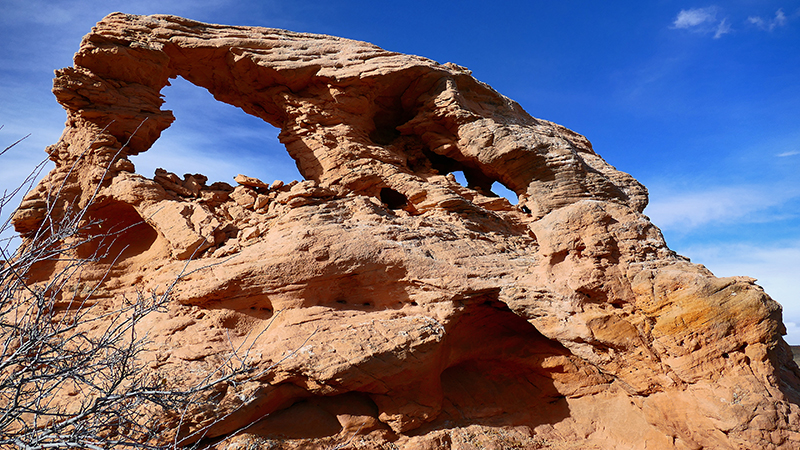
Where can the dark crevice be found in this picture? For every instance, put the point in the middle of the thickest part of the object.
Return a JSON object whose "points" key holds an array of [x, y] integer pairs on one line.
{"points": [[386, 120], [441, 163], [478, 181], [393, 199]]}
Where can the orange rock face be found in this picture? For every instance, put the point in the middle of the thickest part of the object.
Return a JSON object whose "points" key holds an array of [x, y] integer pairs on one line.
{"points": [[385, 303]]}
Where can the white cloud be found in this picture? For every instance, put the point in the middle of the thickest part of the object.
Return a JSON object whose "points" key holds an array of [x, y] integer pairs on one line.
{"points": [[779, 21], [705, 21], [780, 18], [723, 28], [789, 153], [757, 21], [685, 211], [702, 20], [688, 18]]}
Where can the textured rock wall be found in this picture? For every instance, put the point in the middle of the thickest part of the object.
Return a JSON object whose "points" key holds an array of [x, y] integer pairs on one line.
{"points": [[388, 301]]}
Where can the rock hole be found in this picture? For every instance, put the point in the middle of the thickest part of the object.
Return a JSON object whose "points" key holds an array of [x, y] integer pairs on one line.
{"points": [[501, 191], [470, 177], [230, 322], [115, 232], [460, 178], [442, 164], [393, 199], [389, 116], [215, 139]]}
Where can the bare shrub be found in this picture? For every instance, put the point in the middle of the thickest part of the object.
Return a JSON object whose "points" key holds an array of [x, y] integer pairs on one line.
{"points": [[72, 372]]}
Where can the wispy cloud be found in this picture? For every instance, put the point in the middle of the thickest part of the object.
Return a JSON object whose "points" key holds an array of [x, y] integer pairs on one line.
{"points": [[789, 153], [778, 21], [702, 20], [723, 28], [689, 18], [685, 211]]}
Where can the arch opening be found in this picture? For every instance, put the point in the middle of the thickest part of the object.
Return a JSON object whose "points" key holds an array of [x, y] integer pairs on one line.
{"points": [[501, 190], [215, 139], [476, 180]]}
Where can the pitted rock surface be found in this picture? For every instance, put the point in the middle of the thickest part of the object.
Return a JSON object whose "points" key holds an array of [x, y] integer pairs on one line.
{"points": [[384, 302]]}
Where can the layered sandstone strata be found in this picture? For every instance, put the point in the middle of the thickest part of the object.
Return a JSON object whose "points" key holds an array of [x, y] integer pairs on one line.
{"points": [[387, 303]]}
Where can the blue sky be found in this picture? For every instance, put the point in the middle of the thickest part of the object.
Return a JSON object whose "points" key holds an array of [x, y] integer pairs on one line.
{"points": [[700, 101]]}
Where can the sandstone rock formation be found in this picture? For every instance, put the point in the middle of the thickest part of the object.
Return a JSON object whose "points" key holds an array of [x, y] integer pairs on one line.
{"points": [[389, 306]]}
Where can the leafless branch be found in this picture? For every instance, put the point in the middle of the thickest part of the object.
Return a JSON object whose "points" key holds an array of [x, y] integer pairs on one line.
{"points": [[72, 374]]}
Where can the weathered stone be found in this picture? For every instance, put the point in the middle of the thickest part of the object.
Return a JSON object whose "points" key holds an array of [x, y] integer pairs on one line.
{"points": [[172, 182], [250, 182], [244, 196], [194, 183], [261, 201]]}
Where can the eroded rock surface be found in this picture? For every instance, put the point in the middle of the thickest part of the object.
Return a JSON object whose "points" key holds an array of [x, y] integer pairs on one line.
{"points": [[386, 303]]}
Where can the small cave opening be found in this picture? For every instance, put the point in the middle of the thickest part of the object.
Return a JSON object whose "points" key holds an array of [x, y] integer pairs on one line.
{"points": [[393, 199], [115, 232], [497, 364], [460, 177], [387, 118], [215, 139]]}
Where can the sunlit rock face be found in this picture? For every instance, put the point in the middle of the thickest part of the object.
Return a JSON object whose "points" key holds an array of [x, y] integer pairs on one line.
{"points": [[383, 302]]}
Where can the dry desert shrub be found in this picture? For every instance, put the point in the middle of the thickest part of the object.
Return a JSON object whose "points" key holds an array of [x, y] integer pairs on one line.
{"points": [[72, 373]]}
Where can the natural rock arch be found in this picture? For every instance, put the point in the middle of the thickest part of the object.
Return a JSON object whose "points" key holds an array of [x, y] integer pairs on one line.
{"points": [[355, 118]]}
